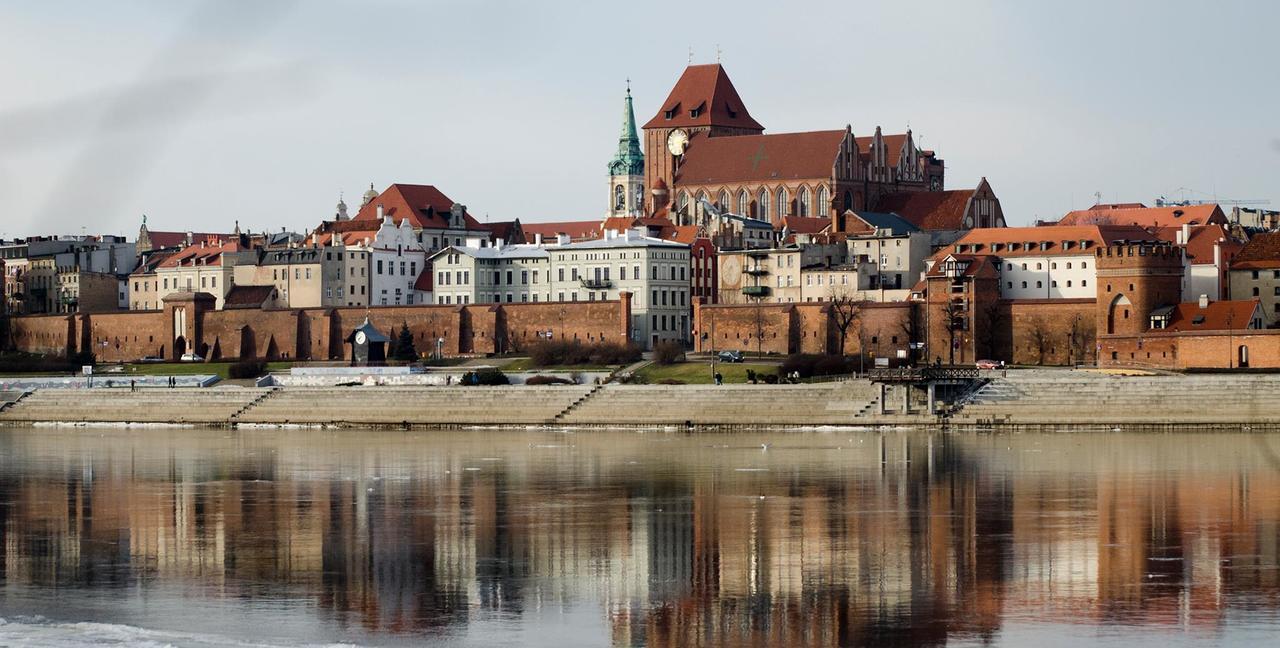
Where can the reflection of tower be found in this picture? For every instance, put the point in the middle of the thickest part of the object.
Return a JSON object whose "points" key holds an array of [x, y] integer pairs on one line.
{"points": [[626, 169], [670, 546]]}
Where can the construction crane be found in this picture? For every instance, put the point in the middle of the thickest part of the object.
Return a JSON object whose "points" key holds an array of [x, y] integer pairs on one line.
{"points": [[1165, 202]]}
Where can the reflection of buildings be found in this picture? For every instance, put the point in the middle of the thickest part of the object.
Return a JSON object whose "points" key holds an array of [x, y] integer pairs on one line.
{"points": [[683, 547]]}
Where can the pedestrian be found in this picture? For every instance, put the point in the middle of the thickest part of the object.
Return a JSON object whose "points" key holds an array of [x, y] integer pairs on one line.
{"points": [[719, 378], [133, 385], [448, 380]]}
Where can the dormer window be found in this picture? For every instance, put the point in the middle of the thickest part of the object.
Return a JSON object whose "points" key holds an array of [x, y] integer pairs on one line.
{"points": [[672, 112], [698, 110], [1084, 245], [1014, 247], [996, 247], [730, 109]]}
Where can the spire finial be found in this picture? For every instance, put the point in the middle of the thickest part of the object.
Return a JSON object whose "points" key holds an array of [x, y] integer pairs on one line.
{"points": [[690, 55], [717, 53], [628, 85]]}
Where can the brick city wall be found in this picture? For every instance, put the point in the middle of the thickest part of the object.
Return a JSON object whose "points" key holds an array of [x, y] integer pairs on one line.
{"points": [[1046, 331], [317, 334], [881, 329], [1219, 350]]}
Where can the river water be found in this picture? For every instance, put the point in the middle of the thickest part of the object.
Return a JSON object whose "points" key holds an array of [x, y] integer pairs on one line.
{"points": [[590, 538]]}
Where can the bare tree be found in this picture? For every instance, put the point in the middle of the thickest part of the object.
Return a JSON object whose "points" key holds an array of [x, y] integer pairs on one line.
{"points": [[993, 317], [1039, 333], [953, 317], [1083, 334], [845, 312]]}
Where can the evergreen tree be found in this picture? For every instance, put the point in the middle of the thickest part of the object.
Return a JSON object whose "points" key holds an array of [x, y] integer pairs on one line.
{"points": [[404, 345]]}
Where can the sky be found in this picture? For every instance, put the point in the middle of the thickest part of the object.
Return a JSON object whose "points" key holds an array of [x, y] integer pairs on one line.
{"points": [[203, 113]]}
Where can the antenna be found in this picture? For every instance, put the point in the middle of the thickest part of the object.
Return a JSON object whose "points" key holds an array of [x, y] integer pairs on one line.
{"points": [[690, 55], [717, 53], [1097, 197]]}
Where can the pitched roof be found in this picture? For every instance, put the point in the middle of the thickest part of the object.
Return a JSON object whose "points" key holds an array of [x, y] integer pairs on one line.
{"points": [[424, 205], [1012, 241], [783, 156], [703, 96], [894, 223], [200, 255], [425, 281], [508, 231], [1172, 216], [1261, 252], [802, 225], [892, 145], [1200, 245], [577, 230], [1110, 206], [687, 234], [974, 265], [179, 239], [928, 210], [246, 296], [1218, 316]]}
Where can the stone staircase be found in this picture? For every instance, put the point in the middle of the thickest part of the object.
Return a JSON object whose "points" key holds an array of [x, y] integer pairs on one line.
{"points": [[1087, 398], [149, 405], [844, 403]]}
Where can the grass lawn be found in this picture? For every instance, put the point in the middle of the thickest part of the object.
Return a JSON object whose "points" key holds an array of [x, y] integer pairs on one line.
{"points": [[699, 373], [219, 369], [526, 364]]}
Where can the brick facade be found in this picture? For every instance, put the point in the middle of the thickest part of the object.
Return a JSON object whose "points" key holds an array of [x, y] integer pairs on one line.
{"points": [[189, 323]]}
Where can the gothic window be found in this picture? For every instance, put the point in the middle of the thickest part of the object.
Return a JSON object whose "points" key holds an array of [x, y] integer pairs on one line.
{"points": [[762, 205], [724, 199], [702, 195], [848, 200], [805, 207], [783, 199], [619, 197], [684, 200], [744, 203], [824, 202]]}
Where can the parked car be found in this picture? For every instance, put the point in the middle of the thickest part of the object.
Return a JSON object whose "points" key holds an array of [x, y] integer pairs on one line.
{"points": [[988, 364], [192, 357], [729, 356]]}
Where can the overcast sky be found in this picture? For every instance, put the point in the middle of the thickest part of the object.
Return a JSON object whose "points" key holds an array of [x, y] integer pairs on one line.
{"points": [[200, 114]]}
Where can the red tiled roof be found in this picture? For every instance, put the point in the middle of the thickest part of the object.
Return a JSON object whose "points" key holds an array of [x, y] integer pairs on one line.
{"points": [[1147, 216], [425, 281], [1110, 206], [1260, 253], [179, 239], [892, 145], [686, 234], [351, 232], [784, 156], [246, 296], [1054, 235], [577, 230], [1203, 237], [200, 255], [978, 265], [928, 210], [1218, 316], [707, 89], [508, 231], [425, 206], [617, 223], [802, 225]]}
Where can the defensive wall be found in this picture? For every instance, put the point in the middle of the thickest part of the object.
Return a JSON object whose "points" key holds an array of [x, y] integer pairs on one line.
{"points": [[188, 323]]}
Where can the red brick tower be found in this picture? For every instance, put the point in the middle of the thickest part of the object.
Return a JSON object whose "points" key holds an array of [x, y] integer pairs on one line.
{"points": [[1133, 280]]}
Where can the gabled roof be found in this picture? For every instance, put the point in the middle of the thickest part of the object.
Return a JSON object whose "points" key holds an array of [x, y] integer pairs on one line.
{"points": [[687, 234], [802, 225], [179, 239], [783, 156], [200, 255], [508, 231], [1217, 316], [975, 265], [1147, 216], [245, 296], [1110, 206], [895, 224], [892, 145], [1262, 252], [425, 281], [577, 230], [703, 96], [929, 210], [1200, 245], [424, 205]]}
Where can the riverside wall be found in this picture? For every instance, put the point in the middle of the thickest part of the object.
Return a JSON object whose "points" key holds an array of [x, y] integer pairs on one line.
{"points": [[190, 324]]}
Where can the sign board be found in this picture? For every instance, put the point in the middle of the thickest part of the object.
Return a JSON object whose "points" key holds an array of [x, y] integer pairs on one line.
{"points": [[87, 370], [902, 354], [882, 362]]}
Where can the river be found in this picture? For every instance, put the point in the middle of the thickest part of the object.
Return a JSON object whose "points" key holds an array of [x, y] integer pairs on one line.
{"points": [[190, 537]]}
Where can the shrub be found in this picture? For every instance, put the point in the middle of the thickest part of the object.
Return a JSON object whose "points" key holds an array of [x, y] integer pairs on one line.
{"points": [[547, 380], [404, 350], [573, 352], [668, 352], [832, 365], [30, 363], [771, 379], [671, 381], [810, 365], [247, 369], [485, 377]]}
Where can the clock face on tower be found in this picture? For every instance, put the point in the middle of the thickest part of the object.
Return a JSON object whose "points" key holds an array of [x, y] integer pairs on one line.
{"points": [[677, 141], [360, 337]]}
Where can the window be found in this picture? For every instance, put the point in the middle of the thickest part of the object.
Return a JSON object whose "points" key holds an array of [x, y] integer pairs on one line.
{"points": [[524, 277], [744, 203], [1024, 284], [1255, 276], [784, 200], [762, 205], [823, 205], [804, 206], [379, 266]]}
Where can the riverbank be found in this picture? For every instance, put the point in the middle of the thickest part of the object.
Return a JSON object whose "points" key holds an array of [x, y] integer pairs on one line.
{"points": [[1006, 400]]}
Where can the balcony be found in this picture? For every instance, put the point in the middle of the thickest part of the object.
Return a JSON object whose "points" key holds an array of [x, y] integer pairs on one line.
{"points": [[755, 291], [756, 271], [596, 284]]}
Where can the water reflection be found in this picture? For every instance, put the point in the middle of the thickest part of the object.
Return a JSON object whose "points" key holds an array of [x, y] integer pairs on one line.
{"points": [[832, 539]]}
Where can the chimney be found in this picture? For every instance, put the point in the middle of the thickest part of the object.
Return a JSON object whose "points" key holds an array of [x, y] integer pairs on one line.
{"points": [[1217, 255], [381, 218], [562, 239], [537, 239], [497, 243], [1204, 301]]}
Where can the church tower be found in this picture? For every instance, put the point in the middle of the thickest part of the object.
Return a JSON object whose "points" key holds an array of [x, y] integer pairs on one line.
{"points": [[626, 169]]}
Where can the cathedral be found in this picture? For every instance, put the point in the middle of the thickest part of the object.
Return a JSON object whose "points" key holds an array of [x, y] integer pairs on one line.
{"points": [[703, 147]]}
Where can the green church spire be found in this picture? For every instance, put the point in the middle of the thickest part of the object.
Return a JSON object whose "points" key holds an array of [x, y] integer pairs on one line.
{"points": [[629, 160]]}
